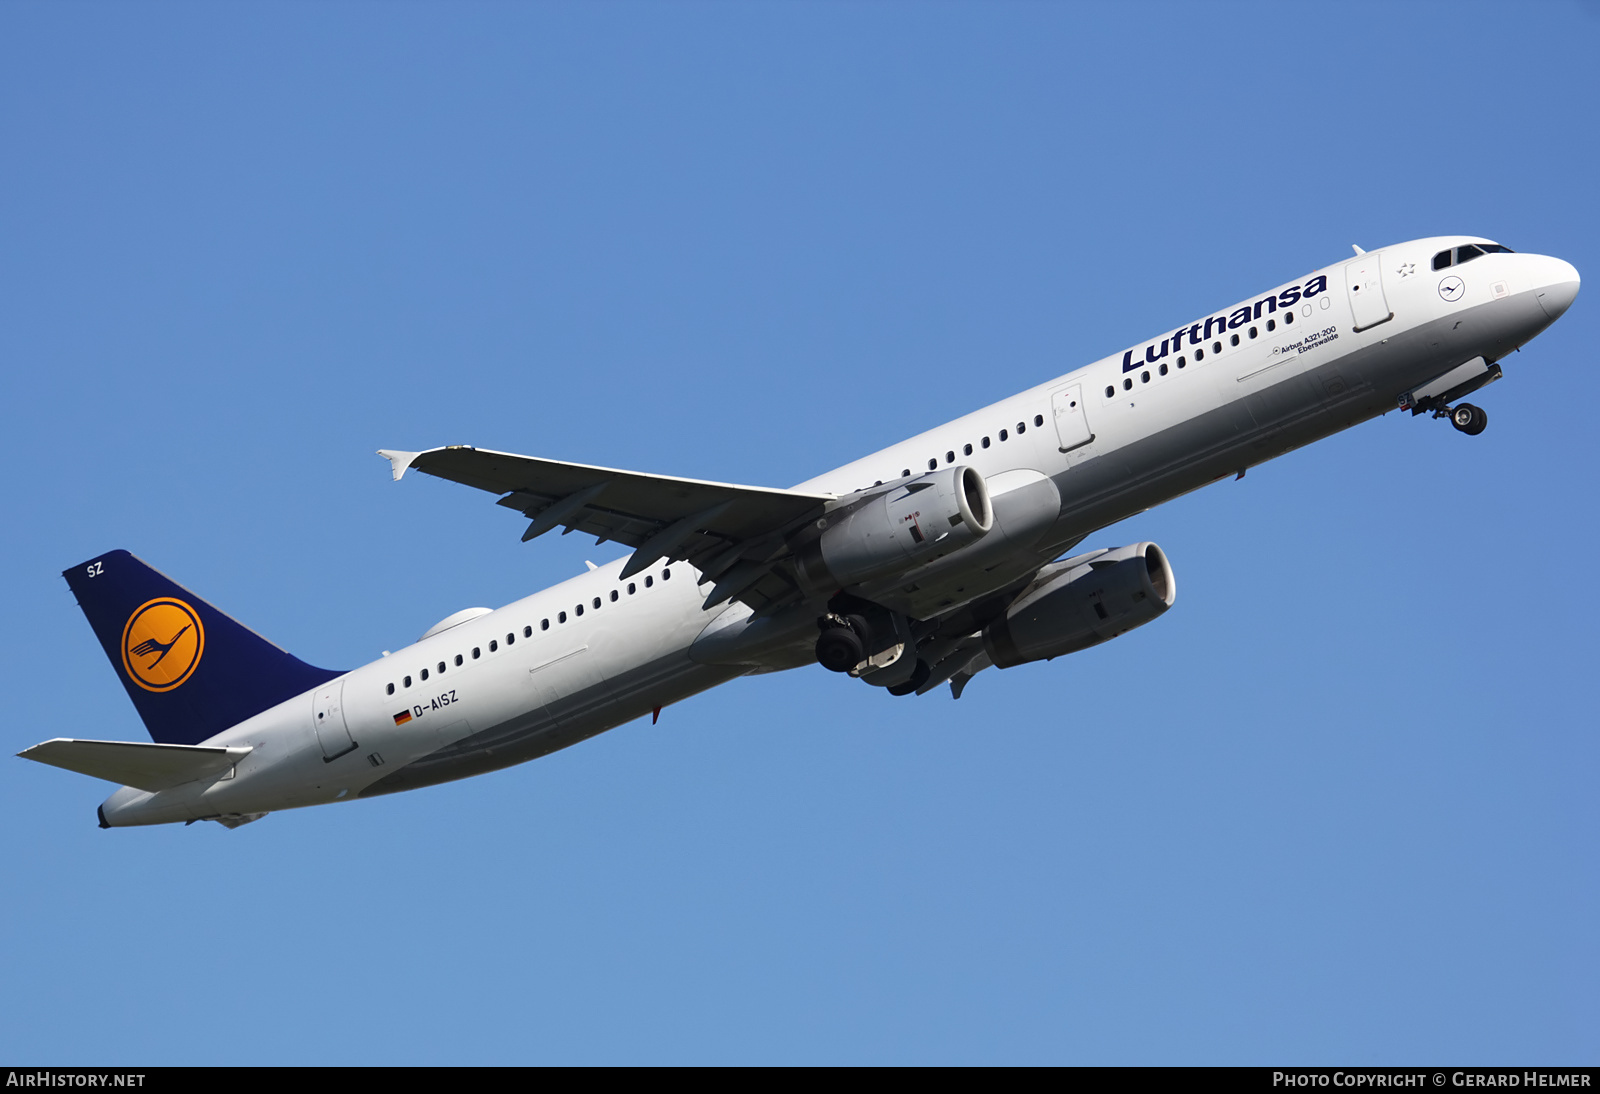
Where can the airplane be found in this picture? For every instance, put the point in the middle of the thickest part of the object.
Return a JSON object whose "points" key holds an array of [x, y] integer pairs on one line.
{"points": [[916, 567]]}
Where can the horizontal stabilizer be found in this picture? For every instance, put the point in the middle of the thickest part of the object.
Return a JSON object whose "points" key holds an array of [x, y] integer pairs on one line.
{"points": [[134, 763]]}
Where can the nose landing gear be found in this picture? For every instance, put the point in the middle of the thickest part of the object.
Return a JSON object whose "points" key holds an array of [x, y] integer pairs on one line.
{"points": [[1469, 419], [1435, 396]]}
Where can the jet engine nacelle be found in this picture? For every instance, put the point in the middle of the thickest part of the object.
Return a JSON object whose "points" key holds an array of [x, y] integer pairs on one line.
{"points": [[892, 530], [1082, 602]]}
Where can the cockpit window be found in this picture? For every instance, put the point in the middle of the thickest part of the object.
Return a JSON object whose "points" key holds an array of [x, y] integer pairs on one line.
{"points": [[1467, 253]]}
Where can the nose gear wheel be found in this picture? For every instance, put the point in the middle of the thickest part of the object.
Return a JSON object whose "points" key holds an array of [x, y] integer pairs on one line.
{"points": [[1469, 419]]}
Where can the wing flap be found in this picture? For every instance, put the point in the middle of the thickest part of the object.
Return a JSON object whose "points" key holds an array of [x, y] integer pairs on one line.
{"points": [[135, 763]]}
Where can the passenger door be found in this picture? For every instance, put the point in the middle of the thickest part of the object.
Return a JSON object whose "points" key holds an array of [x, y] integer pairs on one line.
{"points": [[327, 714], [1363, 282]]}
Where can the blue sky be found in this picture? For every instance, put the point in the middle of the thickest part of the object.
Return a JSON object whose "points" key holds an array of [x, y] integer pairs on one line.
{"points": [[1337, 806]]}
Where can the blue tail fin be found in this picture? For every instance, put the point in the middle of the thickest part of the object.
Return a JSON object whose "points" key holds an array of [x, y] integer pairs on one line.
{"points": [[190, 670]]}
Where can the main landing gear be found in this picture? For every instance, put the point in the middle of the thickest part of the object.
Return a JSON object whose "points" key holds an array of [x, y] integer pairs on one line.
{"points": [[841, 646], [872, 643], [1469, 419]]}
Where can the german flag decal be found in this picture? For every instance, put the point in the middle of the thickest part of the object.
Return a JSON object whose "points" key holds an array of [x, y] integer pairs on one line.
{"points": [[402, 718]]}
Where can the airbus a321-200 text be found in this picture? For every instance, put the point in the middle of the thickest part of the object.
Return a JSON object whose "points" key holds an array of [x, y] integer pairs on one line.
{"points": [[916, 567]]}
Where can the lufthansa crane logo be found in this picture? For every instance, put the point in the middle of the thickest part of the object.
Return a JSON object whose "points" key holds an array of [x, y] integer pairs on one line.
{"points": [[162, 643]]}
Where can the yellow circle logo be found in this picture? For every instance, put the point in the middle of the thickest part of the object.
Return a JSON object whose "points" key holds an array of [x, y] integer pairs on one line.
{"points": [[162, 643]]}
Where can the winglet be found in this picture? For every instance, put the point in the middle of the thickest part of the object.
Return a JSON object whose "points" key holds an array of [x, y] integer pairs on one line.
{"points": [[398, 460], [1357, 249]]}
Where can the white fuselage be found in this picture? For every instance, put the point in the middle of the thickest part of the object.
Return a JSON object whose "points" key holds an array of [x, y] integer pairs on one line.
{"points": [[1114, 437]]}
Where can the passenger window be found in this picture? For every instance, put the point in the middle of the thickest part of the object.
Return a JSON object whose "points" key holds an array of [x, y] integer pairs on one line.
{"points": [[390, 691], [1272, 325], [527, 632], [1038, 419], [1216, 347], [578, 610], [613, 596], [423, 674], [510, 638], [561, 617], [631, 588], [950, 457], [932, 464], [407, 681], [1022, 427], [1441, 260], [1199, 355], [665, 574], [441, 666], [1127, 383], [1110, 391], [1234, 340], [597, 601], [493, 645], [648, 581], [474, 653], [1144, 377], [544, 624], [1288, 317], [906, 474], [1003, 432], [1182, 362], [460, 660], [1253, 332], [984, 442], [1162, 370], [966, 450]]}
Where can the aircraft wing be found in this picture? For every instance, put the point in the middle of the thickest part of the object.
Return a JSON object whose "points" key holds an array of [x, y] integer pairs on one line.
{"points": [[728, 532]]}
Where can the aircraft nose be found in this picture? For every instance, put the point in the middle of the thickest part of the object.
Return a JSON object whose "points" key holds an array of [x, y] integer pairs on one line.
{"points": [[1560, 288]]}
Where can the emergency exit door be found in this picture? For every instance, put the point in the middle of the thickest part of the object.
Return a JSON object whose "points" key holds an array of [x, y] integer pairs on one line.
{"points": [[1072, 423]]}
